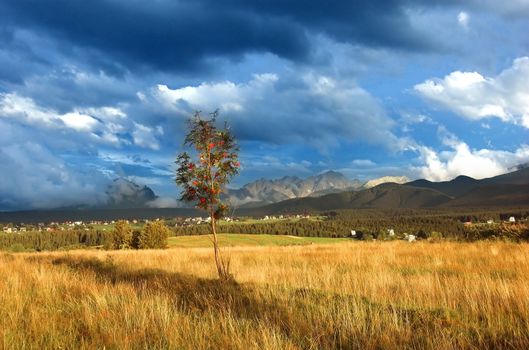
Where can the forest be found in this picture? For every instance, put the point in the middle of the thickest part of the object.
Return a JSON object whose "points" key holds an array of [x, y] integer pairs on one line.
{"points": [[369, 224]]}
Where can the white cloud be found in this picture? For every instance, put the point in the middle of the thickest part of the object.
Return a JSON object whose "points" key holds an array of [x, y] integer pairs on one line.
{"points": [[473, 96], [14, 106], [101, 124], [49, 158], [460, 159], [24, 110], [38, 178], [144, 136], [79, 122], [462, 19], [311, 108], [106, 113]]}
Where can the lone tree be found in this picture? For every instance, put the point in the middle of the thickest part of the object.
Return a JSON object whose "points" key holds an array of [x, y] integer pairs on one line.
{"points": [[204, 179]]}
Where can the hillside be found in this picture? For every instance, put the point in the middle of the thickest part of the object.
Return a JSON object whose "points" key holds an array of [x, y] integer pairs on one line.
{"points": [[518, 177], [463, 184], [453, 188], [493, 195], [383, 196]]}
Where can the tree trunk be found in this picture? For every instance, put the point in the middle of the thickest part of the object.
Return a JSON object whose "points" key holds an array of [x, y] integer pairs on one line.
{"points": [[218, 260]]}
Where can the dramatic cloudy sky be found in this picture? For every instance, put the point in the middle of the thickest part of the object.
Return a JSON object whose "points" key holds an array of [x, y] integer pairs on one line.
{"points": [[94, 90]]}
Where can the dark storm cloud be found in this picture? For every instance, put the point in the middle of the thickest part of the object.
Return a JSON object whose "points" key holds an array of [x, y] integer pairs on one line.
{"points": [[182, 35], [164, 34], [371, 23]]}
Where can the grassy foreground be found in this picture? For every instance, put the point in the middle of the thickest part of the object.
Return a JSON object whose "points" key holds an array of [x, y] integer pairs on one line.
{"points": [[347, 295], [239, 240]]}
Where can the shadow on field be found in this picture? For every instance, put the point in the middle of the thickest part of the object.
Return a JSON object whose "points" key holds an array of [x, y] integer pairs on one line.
{"points": [[193, 294], [307, 318]]}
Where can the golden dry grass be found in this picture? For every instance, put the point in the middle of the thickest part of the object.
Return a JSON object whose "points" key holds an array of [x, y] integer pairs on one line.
{"points": [[348, 295]]}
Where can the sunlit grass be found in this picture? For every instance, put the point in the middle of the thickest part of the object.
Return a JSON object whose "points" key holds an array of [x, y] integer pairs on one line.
{"points": [[233, 239], [347, 295]]}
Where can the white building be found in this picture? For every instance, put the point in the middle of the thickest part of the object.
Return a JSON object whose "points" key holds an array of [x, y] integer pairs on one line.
{"points": [[512, 219]]}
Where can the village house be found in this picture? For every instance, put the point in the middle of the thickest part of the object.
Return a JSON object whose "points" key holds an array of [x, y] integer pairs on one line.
{"points": [[410, 238], [512, 219]]}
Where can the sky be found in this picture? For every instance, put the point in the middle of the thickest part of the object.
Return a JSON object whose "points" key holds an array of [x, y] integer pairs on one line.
{"points": [[95, 90]]}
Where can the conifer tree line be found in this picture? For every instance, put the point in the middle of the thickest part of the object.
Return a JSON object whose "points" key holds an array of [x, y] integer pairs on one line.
{"points": [[154, 235], [43, 241], [375, 223], [369, 224]]}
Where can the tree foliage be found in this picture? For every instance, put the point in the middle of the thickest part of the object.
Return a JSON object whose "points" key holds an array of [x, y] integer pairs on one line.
{"points": [[202, 181], [153, 236], [204, 175], [122, 235]]}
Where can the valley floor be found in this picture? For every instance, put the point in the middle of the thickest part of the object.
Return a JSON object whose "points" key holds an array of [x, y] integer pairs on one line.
{"points": [[358, 295], [245, 240]]}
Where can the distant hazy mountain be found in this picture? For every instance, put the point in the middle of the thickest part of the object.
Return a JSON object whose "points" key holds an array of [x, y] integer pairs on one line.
{"points": [[386, 179], [123, 193], [265, 191]]}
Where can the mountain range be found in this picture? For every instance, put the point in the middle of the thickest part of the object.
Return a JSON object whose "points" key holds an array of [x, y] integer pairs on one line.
{"points": [[123, 193], [332, 190], [507, 190], [265, 191], [264, 197]]}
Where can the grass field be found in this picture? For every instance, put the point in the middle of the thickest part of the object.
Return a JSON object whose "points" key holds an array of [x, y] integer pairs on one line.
{"points": [[357, 295], [245, 240]]}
